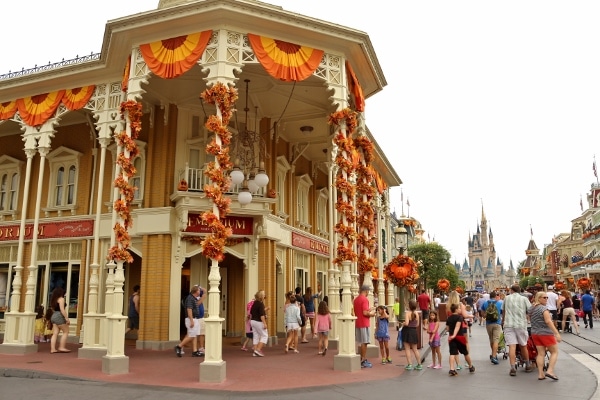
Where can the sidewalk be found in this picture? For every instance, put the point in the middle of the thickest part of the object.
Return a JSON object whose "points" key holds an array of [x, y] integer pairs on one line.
{"points": [[279, 373]]}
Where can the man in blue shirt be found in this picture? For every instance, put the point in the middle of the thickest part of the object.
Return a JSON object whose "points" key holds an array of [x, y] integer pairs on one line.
{"points": [[493, 327], [587, 305]]}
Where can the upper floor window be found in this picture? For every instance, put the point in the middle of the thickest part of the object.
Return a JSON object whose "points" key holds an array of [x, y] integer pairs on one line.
{"points": [[64, 167], [139, 162], [322, 201], [10, 169], [303, 184]]}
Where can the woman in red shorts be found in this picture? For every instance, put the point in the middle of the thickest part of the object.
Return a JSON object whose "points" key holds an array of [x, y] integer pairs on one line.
{"points": [[545, 336]]}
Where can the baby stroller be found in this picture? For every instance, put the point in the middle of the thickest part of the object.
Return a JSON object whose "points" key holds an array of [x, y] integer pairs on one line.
{"points": [[532, 352], [502, 347]]}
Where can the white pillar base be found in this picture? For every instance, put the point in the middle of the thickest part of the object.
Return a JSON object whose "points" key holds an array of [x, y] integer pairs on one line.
{"points": [[213, 372], [348, 363], [115, 365], [372, 351], [19, 349]]}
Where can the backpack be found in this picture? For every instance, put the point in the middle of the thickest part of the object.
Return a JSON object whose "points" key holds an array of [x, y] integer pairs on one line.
{"points": [[491, 312]]}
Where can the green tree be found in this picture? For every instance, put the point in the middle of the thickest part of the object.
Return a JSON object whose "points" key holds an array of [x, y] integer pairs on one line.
{"points": [[434, 263]]}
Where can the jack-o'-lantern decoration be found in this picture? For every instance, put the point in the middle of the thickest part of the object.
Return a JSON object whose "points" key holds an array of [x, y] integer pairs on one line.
{"points": [[459, 290], [402, 270], [559, 285], [584, 283], [443, 284]]}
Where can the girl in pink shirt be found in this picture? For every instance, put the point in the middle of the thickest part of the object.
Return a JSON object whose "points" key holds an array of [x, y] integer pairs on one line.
{"points": [[323, 326]]}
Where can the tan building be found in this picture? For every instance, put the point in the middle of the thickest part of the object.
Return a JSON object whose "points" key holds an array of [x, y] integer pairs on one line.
{"points": [[69, 189]]}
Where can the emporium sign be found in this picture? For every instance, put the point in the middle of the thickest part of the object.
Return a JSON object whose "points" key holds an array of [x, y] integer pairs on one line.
{"points": [[238, 225], [49, 230], [306, 243]]}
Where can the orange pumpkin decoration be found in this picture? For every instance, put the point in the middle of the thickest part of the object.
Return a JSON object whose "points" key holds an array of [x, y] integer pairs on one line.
{"points": [[443, 284], [583, 283]]}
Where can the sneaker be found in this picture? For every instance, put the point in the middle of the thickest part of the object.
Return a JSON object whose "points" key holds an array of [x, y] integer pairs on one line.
{"points": [[471, 369], [244, 349], [324, 351], [365, 364], [409, 367], [495, 361], [178, 351], [528, 368], [431, 365], [389, 360], [513, 372], [197, 354], [458, 368], [439, 366], [384, 361], [258, 353], [452, 373], [419, 367]]}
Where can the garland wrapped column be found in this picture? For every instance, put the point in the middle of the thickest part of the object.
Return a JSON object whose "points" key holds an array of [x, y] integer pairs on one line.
{"points": [[213, 245], [345, 123]]}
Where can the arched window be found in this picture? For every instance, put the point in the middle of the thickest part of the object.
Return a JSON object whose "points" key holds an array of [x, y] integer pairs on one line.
{"points": [[64, 167], [3, 191]]}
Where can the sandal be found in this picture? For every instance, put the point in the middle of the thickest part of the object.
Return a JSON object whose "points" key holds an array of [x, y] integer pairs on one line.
{"points": [[553, 377]]}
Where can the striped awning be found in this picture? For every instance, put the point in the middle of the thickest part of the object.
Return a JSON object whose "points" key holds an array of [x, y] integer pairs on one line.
{"points": [[591, 254]]}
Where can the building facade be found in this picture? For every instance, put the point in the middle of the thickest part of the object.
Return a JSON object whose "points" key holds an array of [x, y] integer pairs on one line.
{"points": [[96, 175]]}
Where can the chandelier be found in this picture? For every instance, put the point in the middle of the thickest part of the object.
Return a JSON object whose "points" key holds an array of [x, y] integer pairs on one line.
{"points": [[248, 150]]}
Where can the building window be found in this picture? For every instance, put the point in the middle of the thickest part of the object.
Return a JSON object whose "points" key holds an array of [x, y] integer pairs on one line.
{"points": [[64, 166], [137, 180], [302, 266], [303, 184], [322, 213], [9, 185]]}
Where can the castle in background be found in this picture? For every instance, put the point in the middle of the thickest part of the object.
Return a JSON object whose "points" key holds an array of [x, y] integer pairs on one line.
{"points": [[483, 270]]}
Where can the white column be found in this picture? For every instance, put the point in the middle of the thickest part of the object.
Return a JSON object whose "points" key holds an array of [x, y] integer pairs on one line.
{"points": [[11, 343]]}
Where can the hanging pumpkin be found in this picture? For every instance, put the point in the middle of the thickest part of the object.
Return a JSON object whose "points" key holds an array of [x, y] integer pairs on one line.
{"points": [[443, 284], [584, 283], [401, 270], [559, 285], [459, 290], [183, 185]]}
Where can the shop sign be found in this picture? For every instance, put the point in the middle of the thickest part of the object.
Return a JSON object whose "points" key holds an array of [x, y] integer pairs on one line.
{"points": [[306, 243], [238, 225], [50, 230]]}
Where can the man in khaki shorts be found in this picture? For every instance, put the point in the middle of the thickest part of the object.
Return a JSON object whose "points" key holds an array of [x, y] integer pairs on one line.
{"points": [[514, 317], [493, 326]]}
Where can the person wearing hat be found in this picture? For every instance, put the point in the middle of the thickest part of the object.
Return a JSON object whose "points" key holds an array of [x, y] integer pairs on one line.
{"points": [[552, 304], [363, 312]]}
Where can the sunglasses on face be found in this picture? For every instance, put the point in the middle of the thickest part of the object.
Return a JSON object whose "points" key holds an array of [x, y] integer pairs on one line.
{"points": [[544, 297]]}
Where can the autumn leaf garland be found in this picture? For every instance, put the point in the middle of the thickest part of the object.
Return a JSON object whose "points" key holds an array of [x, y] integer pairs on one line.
{"points": [[224, 97]]}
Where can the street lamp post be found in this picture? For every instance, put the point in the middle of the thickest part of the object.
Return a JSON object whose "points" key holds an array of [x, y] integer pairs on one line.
{"points": [[401, 239]]}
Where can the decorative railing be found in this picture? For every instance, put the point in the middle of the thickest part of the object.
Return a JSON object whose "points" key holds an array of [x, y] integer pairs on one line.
{"points": [[50, 66], [196, 180]]}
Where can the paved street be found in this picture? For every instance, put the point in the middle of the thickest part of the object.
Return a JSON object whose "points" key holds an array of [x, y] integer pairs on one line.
{"points": [[575, 371]]}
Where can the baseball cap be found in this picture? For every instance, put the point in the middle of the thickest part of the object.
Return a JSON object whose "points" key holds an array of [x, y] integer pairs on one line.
{"points": [[365, 288], [551, 287]]}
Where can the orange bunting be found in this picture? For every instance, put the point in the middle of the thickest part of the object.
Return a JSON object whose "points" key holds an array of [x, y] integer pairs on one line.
{"points": [[126, 73], [8, 110], [76, 99], [283, 60], [170, 58], [355, 88], [35, 110]]}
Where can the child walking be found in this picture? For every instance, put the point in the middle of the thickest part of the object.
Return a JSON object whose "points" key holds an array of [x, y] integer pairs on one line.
{"points": [[457, 342], [40, 326], [382, 334], [323, 326], [249, 334], [410, 337], [469, 319], [433, 330]]}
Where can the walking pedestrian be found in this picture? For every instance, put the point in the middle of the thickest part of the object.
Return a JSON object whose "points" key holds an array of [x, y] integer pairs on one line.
{"points": [[60, 321], [457, 342], [514, 316], [258, 320], [292, 323], [249, 334], [191, 323], [424, 304], [545, 336], [568, 311], [410, 338], [133, 314], [382, 334], [323, 326], [587, 305], [493, 324]]}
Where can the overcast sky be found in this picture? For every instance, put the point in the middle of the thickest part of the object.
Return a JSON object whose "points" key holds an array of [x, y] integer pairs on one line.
{"points": [[487, 103]]}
